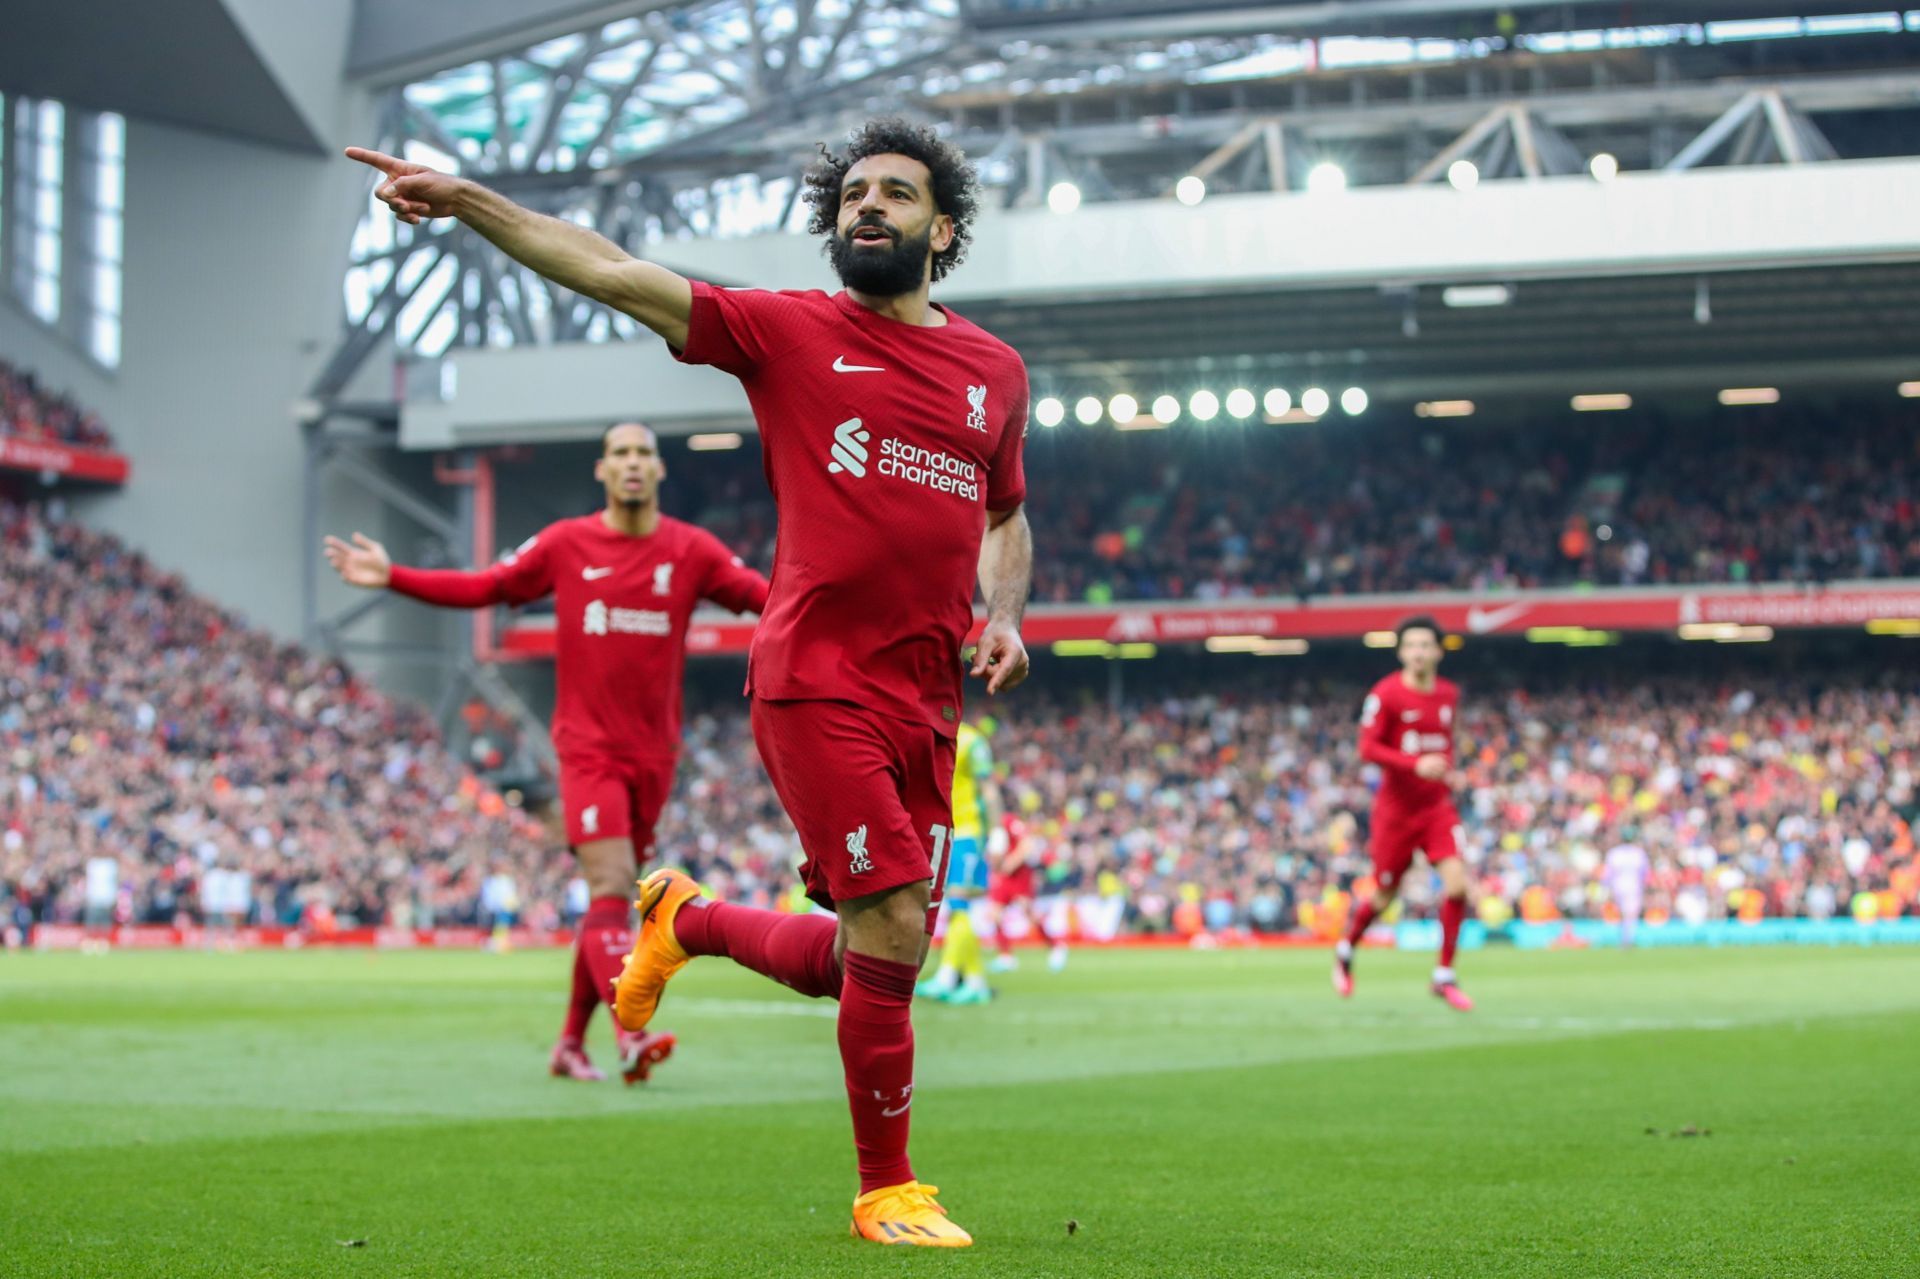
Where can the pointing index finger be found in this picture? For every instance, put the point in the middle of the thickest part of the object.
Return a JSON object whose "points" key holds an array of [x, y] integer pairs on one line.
{"points": [[377, 159]]}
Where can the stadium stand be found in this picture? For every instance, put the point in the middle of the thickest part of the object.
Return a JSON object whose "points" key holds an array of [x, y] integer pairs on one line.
{"points": [[1210, 808], [145, 729], [1749, 495], [31, 412], [1248, 804]]}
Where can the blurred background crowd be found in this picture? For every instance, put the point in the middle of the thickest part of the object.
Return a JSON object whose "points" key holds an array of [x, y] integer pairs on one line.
{"points": [[29, 411], [164, 762], [1748, 495]]}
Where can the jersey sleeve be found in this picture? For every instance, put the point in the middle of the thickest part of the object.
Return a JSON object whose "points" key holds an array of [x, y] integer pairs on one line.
{"points": [[740, 330], [526, 572], [729, 582], [522, 574], [446, 588], [1376, 735], [1007, 477]]}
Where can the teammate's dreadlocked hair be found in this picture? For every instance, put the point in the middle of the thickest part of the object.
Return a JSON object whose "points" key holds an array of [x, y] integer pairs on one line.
{"points": [[955, 185]]}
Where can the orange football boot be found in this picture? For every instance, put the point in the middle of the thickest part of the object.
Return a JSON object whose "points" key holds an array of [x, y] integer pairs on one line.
{"points": [[656, 956], [906, 1214]]}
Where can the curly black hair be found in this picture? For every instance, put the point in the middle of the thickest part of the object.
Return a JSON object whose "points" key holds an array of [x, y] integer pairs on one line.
{"points": [[956, 187]]}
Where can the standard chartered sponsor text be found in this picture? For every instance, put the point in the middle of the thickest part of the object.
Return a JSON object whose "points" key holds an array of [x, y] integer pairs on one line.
{"points": [[931, 468]]}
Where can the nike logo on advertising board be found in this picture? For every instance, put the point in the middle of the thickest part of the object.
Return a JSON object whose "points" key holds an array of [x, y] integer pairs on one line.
{"points": [[1480, 621], [840, 365]]}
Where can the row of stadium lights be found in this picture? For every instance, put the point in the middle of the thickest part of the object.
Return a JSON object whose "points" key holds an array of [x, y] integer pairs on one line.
{"points": [[1203, 406], [1325, 178]]}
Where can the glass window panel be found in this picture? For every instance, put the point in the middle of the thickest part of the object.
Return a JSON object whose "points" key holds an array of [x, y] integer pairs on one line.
{"points": [[106, 340], [112, 139], [106, 237], [46, 297], [106, 289], [46, 253], [110, 184]]}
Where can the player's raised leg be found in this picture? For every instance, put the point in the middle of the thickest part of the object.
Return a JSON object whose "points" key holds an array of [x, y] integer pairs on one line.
{"points": [[1445, 856]]}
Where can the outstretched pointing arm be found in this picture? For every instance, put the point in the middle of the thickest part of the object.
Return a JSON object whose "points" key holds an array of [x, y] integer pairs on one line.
{"points": [[569, 255]]}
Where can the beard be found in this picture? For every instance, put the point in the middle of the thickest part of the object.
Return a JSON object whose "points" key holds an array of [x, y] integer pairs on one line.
{"points": [[881, 272]]}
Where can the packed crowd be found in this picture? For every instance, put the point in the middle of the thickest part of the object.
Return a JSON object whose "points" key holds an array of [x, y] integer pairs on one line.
{"points": [[160, 760], [1354, 507], [29, 411], [1248, 809]]}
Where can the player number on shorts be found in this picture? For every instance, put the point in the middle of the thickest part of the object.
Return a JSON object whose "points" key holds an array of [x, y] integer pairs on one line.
{"points": [[940, 834]]}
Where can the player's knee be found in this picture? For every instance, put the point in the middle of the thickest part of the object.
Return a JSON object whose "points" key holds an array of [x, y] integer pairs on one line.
{"points": [[608, 866], [888, 925]]}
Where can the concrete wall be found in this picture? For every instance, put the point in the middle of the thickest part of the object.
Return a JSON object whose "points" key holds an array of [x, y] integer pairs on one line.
{"points": [[234, 254]]}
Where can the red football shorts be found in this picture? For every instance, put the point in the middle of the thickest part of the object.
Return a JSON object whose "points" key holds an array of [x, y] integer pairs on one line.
{"points": [[870, 795], [1011, 886], [1434, 830], [606, 797]]}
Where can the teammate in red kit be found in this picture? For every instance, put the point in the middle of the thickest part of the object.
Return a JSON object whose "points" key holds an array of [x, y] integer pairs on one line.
{"points": [[1407, 729], [1015, 884], [891, 434], [624, 583]]}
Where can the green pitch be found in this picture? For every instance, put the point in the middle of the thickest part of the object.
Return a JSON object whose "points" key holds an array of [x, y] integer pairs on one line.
{"points": [[1144, 1113]]}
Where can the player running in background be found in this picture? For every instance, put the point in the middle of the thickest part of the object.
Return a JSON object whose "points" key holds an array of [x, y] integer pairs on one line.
{"points": [[1015, 884], [891, 432], [625, 581], [1625, 873], [1407, 728], [962, 975]]}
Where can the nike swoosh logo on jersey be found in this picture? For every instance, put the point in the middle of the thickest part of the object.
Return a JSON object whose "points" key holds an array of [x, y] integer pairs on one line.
{"points": [[1407, 717], [840, 365], [595, 574]]}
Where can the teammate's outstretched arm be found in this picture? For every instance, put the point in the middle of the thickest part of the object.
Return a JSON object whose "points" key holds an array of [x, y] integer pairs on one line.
{"points": [[569, 255], [1006, 579], [365, 563]]}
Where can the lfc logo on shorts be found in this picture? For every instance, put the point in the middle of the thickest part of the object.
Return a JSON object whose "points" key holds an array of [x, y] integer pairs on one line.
{"points": [[857, 851]]}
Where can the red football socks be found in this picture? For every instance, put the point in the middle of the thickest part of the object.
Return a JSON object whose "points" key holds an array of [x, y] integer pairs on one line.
{"points": [[794, 950], [1453, 911], [583, 1000], [605, 938], [876, 1007], [876, 1050], [1362, 920]]}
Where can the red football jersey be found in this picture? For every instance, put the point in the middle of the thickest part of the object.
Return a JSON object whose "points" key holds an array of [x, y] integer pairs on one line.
{"points": [[621, 606], [1398, 725], [885, 445]]}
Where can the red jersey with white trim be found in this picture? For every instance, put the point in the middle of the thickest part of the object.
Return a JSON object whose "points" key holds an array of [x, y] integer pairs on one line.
{"points": [[885, 445], [1398, 725], [621, 607]]}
